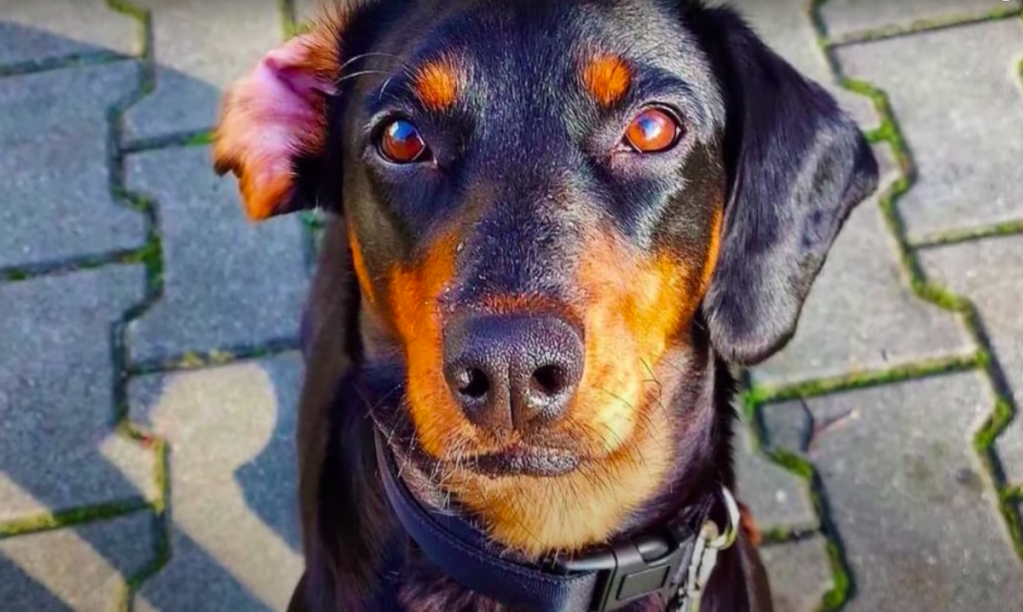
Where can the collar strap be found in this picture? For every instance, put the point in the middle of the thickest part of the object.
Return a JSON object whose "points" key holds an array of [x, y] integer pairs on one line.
{"points": [[674, 562]]}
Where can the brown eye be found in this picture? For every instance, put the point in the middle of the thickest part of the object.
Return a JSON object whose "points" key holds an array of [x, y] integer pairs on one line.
{"points": [[401, 142], [652, 131]]}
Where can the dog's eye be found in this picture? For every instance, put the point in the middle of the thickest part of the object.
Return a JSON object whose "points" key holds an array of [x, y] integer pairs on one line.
{"points": [[652, 131], [401, 143]]}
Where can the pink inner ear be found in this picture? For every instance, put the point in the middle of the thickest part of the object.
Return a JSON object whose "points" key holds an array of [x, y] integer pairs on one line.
{"points": [[268, 118]]}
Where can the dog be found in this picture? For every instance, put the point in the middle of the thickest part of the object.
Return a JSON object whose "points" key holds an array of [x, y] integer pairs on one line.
{"points": [[555, 230]]}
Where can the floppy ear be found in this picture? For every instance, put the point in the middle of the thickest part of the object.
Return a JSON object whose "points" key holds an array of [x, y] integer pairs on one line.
{"points": [[797, 166], [273, 123]]}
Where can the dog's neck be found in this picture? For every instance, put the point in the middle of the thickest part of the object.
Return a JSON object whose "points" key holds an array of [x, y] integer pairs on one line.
{"points": [[702, 464]]}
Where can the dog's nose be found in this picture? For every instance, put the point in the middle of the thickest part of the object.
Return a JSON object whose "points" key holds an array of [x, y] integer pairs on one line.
{"points": [[513, 371]]}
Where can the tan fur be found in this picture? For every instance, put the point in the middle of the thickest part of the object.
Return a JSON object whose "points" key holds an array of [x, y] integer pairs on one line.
{"points": [[607, 78], [438, 82], [635, 308]]}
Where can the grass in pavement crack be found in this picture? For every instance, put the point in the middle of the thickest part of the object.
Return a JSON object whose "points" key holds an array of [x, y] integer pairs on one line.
{"points": [[151, 256], [72, 517], [76, 60]]}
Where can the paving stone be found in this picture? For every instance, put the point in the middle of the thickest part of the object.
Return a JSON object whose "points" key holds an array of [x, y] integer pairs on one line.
{"points": [[844, 17], [988, 272], [1009, 447], [916, 514], [200, 48], [951, 90], [307, 10], [55, 200], [860, 314], [40, 30], [778, 498], [228, 282], [81, 569], [788, 425], [786, 26], [58, 448], [799, 572], [233, 485]]}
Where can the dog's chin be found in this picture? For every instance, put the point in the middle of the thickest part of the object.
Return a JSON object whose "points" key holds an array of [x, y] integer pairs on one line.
{"points": [[524, 460]]}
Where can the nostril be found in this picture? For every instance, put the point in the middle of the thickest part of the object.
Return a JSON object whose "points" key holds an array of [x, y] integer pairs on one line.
{"points": [[473, 383], [549, 380]]}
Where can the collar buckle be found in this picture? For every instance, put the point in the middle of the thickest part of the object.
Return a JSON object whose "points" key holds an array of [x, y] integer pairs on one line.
{"points": [[635, 568]]}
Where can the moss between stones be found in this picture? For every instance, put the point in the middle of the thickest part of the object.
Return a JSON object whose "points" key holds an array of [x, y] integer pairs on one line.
{"points": [[922, 25], [957, 236], [194, 360], [859, 380], [289, 21], [76, 264], [48, 521], [15, 274], [75, 60], [787, 535], [196, 138]]}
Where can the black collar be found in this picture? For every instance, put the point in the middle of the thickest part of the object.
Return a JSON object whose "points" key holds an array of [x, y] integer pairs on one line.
{"points": [[674, 561]]}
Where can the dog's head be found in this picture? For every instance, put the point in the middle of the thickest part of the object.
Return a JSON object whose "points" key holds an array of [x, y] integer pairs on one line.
{"points": [[552, 209]]}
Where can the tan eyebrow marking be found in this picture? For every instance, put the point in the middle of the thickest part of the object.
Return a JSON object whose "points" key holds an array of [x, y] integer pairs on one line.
{"points": [[607, 78], [438, 82]]}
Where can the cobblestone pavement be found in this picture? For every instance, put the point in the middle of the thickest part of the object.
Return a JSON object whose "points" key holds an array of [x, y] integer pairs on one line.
{"points": [[148, 370]]}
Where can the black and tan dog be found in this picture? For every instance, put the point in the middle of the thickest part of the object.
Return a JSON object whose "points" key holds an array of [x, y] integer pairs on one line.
{"points": [[557, 224]]}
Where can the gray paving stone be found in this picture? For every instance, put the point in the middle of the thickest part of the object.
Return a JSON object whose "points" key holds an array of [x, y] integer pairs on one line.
{"points": [[228, 282], [307, 10], [989, 273], [58, 448], [1009, 447], [788, 425], [951, 91], [38, 30], [200, 47], [860, 314], [55, 200], [916, 515], [235, 531], [777, 498], [785, 25], [81, 569], [844, 17], [799, 572]]}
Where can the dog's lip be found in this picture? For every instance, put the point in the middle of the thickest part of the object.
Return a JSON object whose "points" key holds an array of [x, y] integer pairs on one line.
{"points": [[524, 460]]}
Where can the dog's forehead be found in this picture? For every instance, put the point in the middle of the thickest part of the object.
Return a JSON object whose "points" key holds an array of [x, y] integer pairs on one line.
{"points": [[523, 49], [521, 29]]}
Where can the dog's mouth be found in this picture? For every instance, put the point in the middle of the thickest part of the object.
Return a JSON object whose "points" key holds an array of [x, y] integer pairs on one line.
{"points": [[524, 460]]}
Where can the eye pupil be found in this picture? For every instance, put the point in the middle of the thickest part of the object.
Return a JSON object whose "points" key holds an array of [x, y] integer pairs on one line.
{"points": [[401, 142], [652, 131]]}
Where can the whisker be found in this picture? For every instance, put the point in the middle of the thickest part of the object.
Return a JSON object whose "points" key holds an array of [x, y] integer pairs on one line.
{"points": [[360, 73], [360, 56]]}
